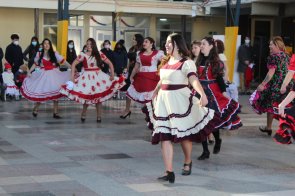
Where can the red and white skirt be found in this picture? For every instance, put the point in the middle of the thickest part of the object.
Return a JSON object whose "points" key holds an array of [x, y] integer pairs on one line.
{"points": [[92, 87], [143, 86], [44, 85]]}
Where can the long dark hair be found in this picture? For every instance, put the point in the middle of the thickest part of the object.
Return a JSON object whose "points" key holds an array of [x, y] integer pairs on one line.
{"points": [[152, 42], [212, 59], [70, 54], [195, 42], [139, 41], [95, 53], [219, 46], [36, 48], [182, 48], [51, 53]]}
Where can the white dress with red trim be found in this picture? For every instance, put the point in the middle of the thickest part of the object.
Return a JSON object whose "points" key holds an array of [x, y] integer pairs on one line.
{"points": [[45, 83], [176, 114], [92, 85], [8, 80], [228, 109], [146, 80]]}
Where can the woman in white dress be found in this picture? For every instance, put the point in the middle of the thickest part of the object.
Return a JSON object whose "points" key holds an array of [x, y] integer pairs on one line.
{"points": [[45, 82], [176, 114], [93, 86]]}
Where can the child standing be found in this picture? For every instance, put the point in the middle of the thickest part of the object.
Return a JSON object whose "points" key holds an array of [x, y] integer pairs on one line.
{"points": [[8, 81]]}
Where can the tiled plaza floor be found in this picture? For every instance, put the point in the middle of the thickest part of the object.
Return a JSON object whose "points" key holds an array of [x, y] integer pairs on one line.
{"points": [[45, 157]]}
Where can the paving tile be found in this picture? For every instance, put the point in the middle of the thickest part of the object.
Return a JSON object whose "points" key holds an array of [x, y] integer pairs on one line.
{"points": [[28, 131], [148, 187], [36, 169], [115, 156], [20, 188], [50, 178], [15, 180], [17, 126], [65, 164], [85, 157], [34, 193]]}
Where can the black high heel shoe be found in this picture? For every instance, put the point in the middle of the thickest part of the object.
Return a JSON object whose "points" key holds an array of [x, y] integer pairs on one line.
{"points": [[217, 146], [56, 116], [170, 177], [204, 155], [98, 120], [187, 172], [126, 115], [265, 130], [35, 113], [83, 118]]}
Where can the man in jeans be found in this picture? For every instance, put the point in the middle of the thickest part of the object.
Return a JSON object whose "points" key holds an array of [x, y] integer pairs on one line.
{"points": [[245, 58]]}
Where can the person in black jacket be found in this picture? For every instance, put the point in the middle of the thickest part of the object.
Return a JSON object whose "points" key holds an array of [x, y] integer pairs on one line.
{"points": [[1, 57], [14, 54], [71, 52], [245, 58], [31, 50], [120, 57], [106, 50]]}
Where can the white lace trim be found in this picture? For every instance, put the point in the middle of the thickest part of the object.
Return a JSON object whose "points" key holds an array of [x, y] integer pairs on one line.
{"points": [[175, 131], [141, 97]]}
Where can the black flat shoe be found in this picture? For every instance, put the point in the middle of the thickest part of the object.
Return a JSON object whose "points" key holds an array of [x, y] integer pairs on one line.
{"points": [[204, 155], [265, 130], [83, 119], [217, 146], [187, 172], [98, 120], [35, 113], [126, 115], [56, 116], [170, 177]]}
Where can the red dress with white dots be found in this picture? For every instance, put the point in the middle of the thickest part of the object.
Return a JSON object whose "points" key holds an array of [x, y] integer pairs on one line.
{"points": [[92, 86]]}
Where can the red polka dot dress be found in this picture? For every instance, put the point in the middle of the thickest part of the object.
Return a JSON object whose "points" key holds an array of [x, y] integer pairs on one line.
{"points": [[92, 86]]}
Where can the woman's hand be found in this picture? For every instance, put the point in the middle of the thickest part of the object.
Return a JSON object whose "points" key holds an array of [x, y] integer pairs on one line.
{"points": [[131, 80], [203, 100], [282, 111], [155, 94], [260, 87], [112, 77], [29, 74], [283, 89]]}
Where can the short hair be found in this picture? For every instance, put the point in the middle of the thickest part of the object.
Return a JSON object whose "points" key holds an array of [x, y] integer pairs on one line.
{"points": [[14, 36]]}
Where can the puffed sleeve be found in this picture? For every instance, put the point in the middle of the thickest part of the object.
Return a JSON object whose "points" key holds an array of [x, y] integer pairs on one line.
{"points": [[292, 63], [103, 56], [272, 61], [160, 55], [189, 68], [60, 59], [80, 57], [138, 58]]}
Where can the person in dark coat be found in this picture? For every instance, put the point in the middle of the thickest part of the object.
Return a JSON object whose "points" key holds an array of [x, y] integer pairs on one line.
{"points": [[1, 57], [120, 57], [106, 50], [245, 58], [31, 50], [14, 54], [71, 52]]}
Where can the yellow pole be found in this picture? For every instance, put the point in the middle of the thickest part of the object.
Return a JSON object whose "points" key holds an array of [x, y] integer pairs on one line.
{"points": [[230, 42], [62, 37]]}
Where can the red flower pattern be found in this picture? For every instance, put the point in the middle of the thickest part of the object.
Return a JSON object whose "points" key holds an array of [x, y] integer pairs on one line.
{"points": [[93, 88], [97, 83], [83, 77], [84, 85], [104, 82]]}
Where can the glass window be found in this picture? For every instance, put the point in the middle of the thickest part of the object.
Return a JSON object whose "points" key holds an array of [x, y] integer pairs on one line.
{"points": [[50, 18], [50, 32]]}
